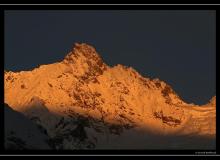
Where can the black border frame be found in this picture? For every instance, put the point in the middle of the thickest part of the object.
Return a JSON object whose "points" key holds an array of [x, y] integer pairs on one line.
{"points": [[105, 7]]}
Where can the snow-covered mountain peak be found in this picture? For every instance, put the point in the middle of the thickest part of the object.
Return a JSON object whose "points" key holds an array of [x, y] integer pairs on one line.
{"points": [[84, 53], [85, 61], [82, 92]]}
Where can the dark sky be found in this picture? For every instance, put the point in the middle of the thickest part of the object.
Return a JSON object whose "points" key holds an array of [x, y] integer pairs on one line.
{"points": [[175, 46]]}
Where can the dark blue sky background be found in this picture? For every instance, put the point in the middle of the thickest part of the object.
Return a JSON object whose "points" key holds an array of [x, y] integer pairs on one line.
{"points": [[175, 46]]}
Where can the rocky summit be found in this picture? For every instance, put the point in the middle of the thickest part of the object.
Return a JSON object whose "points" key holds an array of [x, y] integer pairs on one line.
{"points": [[82, 103]]}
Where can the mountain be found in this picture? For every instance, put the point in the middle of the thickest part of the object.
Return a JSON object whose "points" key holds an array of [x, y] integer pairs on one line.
{"points": [[83, 103], [22, 133]]}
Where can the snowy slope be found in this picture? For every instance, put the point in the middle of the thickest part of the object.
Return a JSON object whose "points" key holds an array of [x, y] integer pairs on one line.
{"points": [[21, 133], [84, 103]]}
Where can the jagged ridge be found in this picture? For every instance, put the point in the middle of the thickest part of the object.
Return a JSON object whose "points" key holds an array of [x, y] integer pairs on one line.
{"points": [[119, 96]]}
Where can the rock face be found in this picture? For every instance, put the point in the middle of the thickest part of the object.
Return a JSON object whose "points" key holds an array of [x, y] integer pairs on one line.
{"points": [[83, 103], [86, 64]]}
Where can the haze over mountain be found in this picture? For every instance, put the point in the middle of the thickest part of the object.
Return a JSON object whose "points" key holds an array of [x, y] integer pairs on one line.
{"points": [[82, 103]]}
